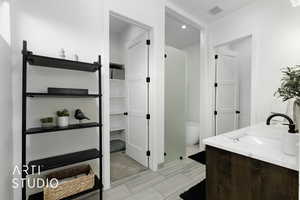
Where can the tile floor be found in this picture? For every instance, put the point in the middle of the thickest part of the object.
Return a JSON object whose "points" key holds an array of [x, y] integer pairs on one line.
{"points": [[166, 184], [192, 149], [123, 166]]}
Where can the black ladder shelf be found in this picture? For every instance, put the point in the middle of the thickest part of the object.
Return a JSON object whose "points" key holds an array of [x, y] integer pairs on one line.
{"points": [[66, 159]]}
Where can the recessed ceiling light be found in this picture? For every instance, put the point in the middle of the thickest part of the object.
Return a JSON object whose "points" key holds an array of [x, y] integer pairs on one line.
{"points": [[295, 3], [183, 26]]}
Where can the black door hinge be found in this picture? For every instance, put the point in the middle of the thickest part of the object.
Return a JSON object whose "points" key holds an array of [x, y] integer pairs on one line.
{"points": [[165, 154], [148, 116], [166, 55], [148, 153], [238, 112], [216, 84], [148, 42], [216, 56], [148, 79], [216, 112]]}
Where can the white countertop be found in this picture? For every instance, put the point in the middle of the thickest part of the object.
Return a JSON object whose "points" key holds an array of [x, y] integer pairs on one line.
{"points": [[259, 142]]}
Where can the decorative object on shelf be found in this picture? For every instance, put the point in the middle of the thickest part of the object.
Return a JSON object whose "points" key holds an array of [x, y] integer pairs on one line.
{"points": [[117, 145], [66, 91], [79, 115], [71, 182], [76, 57], [63, 118], [62, 53], [117, 71], [47, 122], [290, 90]]}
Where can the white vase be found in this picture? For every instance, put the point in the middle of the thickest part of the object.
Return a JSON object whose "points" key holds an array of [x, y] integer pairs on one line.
{"points": [[290, 143], [62, 121], [296, 115]]}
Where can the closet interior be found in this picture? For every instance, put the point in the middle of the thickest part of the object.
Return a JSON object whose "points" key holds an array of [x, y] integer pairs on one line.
{"points": [[128, 99]]}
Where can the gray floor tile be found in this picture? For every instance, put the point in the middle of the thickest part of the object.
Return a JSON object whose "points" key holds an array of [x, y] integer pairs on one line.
{"points": [[171, 185], [149, 194], [167, 183], [144, 182], [117, 193]]}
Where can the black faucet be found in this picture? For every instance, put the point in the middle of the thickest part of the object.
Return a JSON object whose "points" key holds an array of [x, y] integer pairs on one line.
{"points": [[292, 126]]}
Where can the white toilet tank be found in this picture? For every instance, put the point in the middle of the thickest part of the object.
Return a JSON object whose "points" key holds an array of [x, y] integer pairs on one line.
{"points": [[192, 131]]}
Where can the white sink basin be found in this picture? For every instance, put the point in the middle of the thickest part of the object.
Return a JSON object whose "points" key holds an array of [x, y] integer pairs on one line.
{"points": [[259, 142]]}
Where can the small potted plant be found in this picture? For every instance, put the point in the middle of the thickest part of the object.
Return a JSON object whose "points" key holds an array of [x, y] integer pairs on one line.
{"points": [[47, 122], [290, 90], [63, 118]]}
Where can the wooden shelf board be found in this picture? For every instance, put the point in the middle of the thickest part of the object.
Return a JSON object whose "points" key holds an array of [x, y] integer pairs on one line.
{"points": [[39, 94], [63, 160], [39, 130], [116, 66], [117, 113], [118, 97], [44, 61], [117, 129], [117, 80]]}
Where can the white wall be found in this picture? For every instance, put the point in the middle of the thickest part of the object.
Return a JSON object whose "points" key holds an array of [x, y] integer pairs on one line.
{"points": [[193, 82], [276, 44], [243, 50], [5, 103]]}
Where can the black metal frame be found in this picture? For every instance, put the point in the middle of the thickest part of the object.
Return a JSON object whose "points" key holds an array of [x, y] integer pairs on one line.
{"points": [[148, 116], [73, 65], [216, 92]]}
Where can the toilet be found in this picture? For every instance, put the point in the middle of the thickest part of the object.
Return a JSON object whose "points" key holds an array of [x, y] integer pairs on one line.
{"points": [[192, 130]]}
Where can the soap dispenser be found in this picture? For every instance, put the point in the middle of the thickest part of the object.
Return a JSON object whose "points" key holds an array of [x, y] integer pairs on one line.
{"points": [[290, 141]]}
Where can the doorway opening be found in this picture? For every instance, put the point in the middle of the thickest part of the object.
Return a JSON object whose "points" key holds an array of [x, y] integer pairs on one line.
{"points": [[182, 88], [232, 104], [129, 98]]}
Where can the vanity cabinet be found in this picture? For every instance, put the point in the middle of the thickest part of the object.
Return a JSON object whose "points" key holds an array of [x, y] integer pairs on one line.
{"points": [[232, 176]]}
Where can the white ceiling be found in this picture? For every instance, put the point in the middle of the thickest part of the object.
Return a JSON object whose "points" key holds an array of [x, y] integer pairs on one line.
{"points": [[178, 37], [200, 8]]}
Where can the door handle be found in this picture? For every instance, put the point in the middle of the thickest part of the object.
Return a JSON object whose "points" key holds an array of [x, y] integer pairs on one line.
{"points": [[238, 112]]}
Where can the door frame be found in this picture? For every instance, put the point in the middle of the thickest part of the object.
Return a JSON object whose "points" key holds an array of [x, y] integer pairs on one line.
{"points": [[254, 71], [232, 54], [153, 164], [179, 13]]}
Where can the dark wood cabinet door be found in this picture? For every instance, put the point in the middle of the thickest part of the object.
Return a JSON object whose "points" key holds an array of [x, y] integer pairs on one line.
{"points": [[234, 177]]}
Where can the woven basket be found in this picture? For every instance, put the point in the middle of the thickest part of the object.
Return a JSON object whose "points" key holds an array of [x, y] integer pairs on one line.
{"points": [[72, 187]]}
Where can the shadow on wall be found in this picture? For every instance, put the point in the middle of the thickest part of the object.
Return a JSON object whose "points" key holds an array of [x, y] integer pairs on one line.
{"points": [[5, 103]]}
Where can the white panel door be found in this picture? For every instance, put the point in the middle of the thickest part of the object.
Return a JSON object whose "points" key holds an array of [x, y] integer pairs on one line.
{"points": [[227, 98], [136, 73]]}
